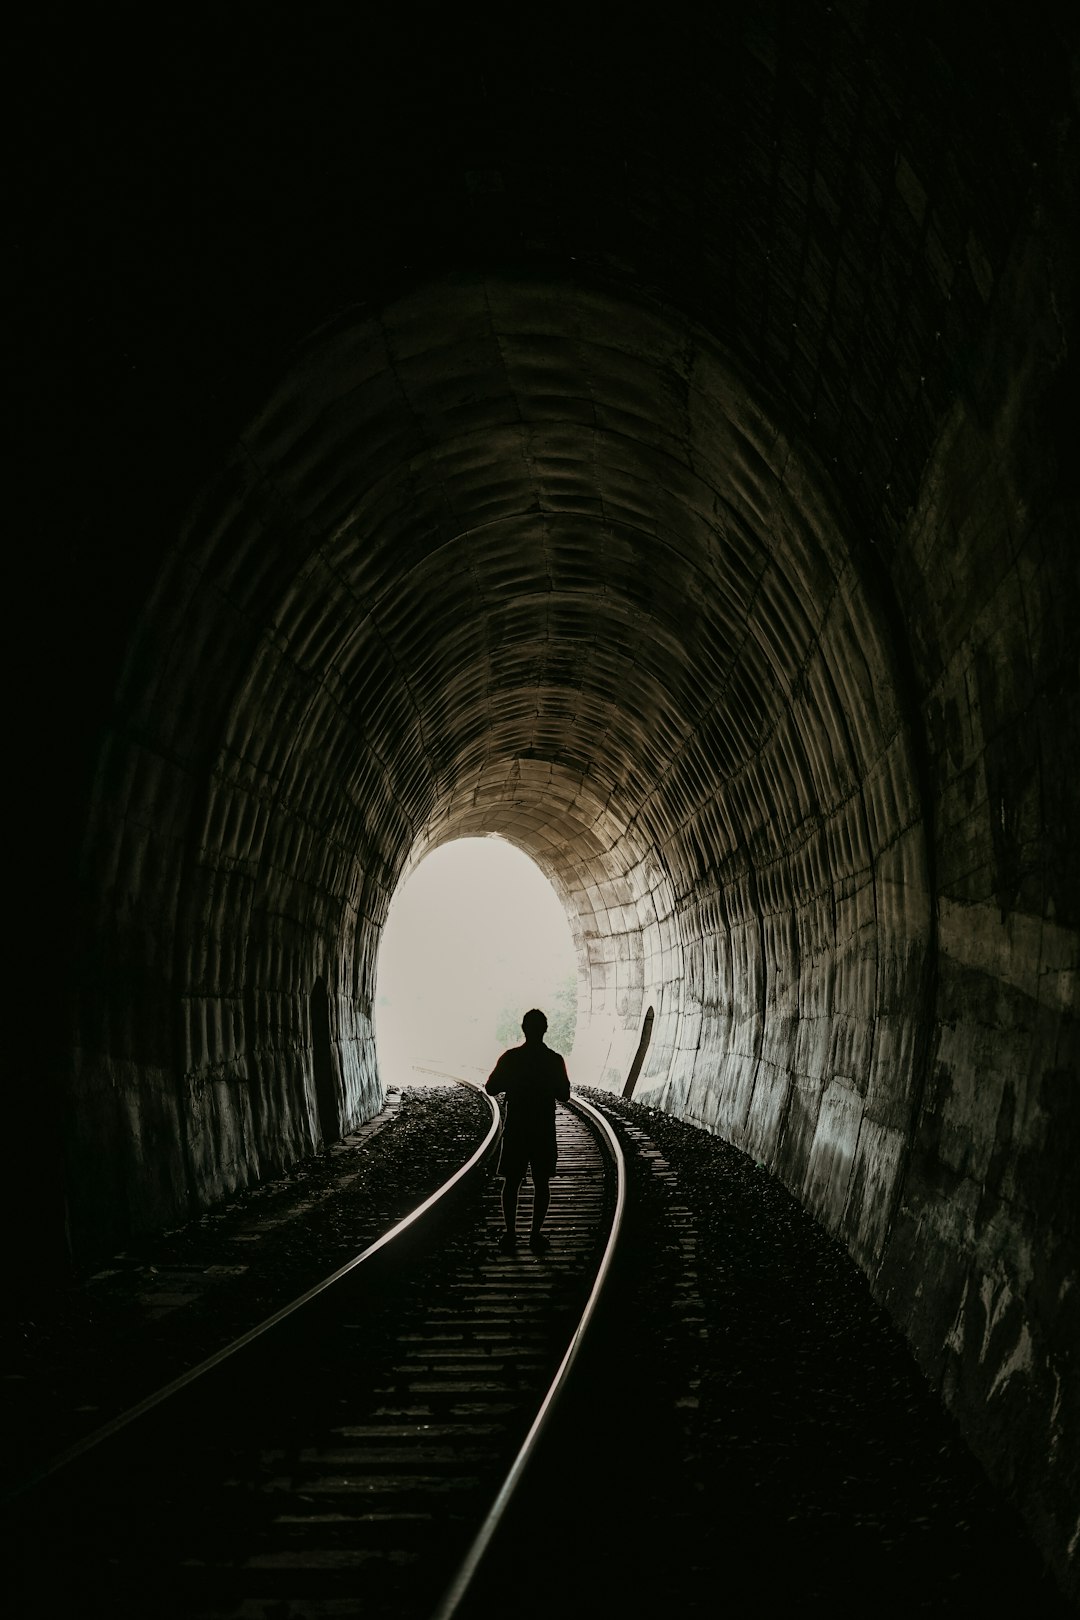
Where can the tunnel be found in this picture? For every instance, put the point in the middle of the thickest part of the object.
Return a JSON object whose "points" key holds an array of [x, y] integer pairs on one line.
{"points": [[643, 437]]}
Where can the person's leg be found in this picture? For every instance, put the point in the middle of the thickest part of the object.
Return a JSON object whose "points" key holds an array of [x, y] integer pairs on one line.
{"points": [[511, 1186], [541, 1199]]}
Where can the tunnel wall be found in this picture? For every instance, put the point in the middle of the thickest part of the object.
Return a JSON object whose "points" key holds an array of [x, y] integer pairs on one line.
{"points": [[222, 878], [803, 909], [981, 1264], [804, 999], [913, 1090]]}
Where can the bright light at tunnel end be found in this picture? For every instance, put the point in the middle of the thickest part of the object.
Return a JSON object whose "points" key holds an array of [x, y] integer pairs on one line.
{"points": [[475, 936]]}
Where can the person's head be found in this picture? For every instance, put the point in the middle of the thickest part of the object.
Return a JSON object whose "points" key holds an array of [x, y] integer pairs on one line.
{"points": [[534, 1025]]}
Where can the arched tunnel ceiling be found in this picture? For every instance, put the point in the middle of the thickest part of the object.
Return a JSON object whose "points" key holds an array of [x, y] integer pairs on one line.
{"points": [[541, 562]]}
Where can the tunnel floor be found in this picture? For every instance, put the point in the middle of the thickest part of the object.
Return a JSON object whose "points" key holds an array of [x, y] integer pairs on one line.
{"points": [[748, 1420], [764, 1432]]}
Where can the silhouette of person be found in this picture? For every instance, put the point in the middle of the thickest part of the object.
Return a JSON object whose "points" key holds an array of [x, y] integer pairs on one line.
{"points": [[533, 1077]]}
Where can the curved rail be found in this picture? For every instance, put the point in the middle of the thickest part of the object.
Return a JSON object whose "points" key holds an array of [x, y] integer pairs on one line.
{"points": [[130, 1415], [458, 1587], [371, 1462]]}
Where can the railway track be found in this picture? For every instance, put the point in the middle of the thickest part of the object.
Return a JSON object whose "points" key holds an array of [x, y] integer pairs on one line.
{"points": [[354, 1455]]}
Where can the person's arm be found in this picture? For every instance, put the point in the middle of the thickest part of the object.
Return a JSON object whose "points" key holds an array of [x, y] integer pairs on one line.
{"points": [[562, 1082], [496, 1081]]}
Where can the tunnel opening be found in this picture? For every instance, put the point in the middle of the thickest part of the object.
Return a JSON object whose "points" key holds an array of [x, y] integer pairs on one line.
{"points": [[474, 936]]}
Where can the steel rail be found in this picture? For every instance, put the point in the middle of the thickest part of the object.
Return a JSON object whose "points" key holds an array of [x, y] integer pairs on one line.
{"points": [[131, 1414], [458, 1588]]}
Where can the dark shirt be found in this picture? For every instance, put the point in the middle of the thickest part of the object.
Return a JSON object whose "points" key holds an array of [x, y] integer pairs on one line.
{"points": [[534, 1078]]}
